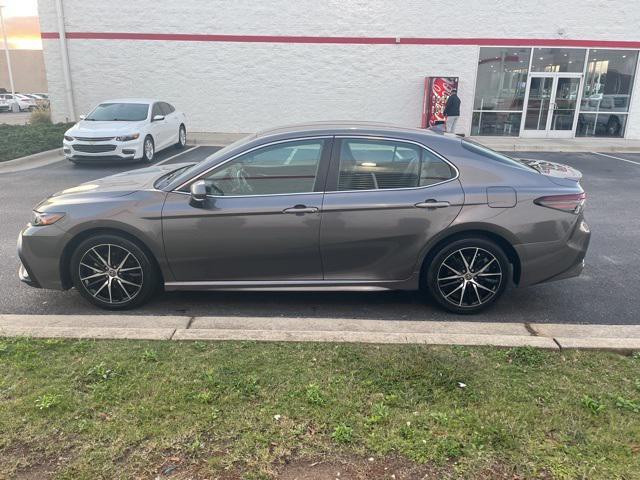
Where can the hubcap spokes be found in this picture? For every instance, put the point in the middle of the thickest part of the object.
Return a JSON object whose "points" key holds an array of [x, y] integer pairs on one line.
{"points": [[111, 273], [148, 147], [469, 277]]}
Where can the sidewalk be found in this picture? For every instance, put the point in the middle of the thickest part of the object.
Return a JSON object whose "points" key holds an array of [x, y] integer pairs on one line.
{"points": [[550, 336], [517, 144]]}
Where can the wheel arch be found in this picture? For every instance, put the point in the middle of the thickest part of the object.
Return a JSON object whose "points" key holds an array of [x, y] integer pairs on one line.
{"points": [[69, 248], [504, 239]]}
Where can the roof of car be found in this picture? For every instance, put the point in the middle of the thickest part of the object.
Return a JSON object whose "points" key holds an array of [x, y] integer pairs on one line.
{"points": [[131, 100], [350, 127]]}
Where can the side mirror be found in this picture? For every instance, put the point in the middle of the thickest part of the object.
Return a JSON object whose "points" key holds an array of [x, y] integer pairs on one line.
{"points": [[157, 118], [198, 193], [82, 117]]}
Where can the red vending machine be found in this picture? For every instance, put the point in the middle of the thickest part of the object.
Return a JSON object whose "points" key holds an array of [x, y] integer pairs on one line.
{"points": [[436, 93]]}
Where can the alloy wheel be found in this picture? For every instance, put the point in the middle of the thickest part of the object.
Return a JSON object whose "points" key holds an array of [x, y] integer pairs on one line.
{"points": [[148, 149], [110, 273], [469, 277], [183, 136]]}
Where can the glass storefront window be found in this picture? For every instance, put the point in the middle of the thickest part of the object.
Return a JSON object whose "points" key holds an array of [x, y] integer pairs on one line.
{"points": [[502, 78], [558, 60], [601, 124], [503, 124], [606, 93]]}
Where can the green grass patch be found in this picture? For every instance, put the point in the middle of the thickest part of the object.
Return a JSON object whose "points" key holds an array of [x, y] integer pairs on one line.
{"points": [[134, 409], [20, 140]]}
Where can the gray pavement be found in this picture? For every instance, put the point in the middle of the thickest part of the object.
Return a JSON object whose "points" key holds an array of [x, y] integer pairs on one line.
{"points": [[606, 293], [11, 118]]}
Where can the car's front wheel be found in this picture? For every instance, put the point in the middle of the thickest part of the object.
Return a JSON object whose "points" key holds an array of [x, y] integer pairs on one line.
{"points": [[113, 272], [148, 149], [467, 275]]}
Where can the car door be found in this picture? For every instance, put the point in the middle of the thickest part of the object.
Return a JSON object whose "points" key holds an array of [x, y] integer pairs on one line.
{"points": [[159, 128], [173, 123], [260, 222], [385, 199]]}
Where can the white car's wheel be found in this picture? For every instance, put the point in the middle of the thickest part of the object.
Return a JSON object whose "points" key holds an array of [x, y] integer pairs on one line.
{"points": [[148, 150], [182, 137]]}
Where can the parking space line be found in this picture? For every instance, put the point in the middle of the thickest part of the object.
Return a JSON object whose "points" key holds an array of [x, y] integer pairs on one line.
{"points": [[617, 158], [177, 155]]}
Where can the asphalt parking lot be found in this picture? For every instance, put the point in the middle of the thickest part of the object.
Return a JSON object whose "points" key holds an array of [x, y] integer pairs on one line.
{"points": [[607, 292]]}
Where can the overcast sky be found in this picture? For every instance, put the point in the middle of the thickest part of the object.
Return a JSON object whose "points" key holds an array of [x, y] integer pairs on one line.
{"points": [[21, 20]]}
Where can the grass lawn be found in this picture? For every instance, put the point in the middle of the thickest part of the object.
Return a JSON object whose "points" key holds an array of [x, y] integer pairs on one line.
{"points": [[21, 140], [134, 409]]}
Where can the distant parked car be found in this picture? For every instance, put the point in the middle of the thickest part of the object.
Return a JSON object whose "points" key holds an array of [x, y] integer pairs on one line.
{"points": [[321, 206], [18, 102], [4, 105], [133, 128], [40, 99]]}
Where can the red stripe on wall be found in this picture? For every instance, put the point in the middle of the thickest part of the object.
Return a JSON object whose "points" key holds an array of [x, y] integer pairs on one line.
{"points": [[187, 37]]}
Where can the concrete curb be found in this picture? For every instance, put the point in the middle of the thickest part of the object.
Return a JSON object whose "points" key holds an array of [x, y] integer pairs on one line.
{"points": [[148, 327], [32, 161]]}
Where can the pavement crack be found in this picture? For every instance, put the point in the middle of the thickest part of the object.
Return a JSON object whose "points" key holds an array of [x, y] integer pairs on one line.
{"points": [[531, 330], [191, 319], [173, 333], [557, 343]]}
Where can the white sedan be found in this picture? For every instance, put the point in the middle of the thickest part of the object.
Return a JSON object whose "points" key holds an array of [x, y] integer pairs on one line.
{"points": [[133, 128]]}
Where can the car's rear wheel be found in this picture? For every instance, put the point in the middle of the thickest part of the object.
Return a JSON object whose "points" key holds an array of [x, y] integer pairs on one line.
{"points": [[113, 272], [148, 149], [182, 137], [468, 275]]}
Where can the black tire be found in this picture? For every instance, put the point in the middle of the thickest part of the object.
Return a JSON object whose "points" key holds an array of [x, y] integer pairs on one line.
{"points": [[182, 137], [485, 274], [148, 157], [122, 276]]}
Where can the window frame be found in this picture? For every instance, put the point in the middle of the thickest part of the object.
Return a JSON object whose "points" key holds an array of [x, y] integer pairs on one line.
{"points": [[334, 169], [321, 175]]}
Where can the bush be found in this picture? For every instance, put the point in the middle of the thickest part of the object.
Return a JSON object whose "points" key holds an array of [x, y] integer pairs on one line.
{"points": [[40, 115], [21, 140]]}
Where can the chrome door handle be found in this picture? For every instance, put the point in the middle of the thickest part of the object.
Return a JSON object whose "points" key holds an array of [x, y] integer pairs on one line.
{"points": [[300, 209], [432, 204]]}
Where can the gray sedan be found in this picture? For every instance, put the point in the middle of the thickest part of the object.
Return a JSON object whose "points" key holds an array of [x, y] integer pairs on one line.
{"points": [[320, 206]]}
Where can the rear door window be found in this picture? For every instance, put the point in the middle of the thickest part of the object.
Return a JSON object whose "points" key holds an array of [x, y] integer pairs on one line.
{"points": [[388, 164]]}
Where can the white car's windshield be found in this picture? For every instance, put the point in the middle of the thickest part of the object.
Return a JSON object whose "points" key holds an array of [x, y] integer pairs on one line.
{"points": [[119, 112]]}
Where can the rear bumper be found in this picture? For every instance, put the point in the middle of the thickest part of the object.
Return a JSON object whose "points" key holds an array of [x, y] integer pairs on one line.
{"points": [[550, 261]]}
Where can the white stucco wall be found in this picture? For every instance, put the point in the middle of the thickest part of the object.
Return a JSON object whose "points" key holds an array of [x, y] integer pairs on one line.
{"points": [[240, 87]]}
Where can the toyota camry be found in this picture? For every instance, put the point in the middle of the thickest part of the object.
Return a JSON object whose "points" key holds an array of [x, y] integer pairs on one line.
{"points": [[318, 207]]}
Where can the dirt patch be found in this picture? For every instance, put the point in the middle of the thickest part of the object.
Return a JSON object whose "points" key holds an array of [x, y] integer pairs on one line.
{"points": [[395, 468]]}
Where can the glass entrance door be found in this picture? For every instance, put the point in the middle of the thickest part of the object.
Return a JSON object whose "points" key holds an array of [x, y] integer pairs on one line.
{"points": [[551, 103]]}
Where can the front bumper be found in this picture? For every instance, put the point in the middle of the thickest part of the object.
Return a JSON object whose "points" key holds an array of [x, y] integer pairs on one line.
{"points": [[550, 261], [83, 150], [40, 250]]}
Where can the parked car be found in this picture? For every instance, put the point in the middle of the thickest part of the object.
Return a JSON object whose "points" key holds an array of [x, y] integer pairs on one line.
{"points": [[4, 105], [18, 102], [40, 99], [320, 206], [133, 128]]}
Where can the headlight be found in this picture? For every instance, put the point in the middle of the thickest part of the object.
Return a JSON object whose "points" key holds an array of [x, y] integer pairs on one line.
{"points": [[126, 138], [41, 219], [68, 138]]}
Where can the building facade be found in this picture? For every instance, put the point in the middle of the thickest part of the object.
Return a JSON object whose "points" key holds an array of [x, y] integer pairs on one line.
{"points": [[536, 69]]}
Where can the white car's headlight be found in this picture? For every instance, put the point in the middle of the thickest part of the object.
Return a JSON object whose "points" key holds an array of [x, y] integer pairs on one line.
{"points": [[41, 219], [68, 138], [126, 138]]}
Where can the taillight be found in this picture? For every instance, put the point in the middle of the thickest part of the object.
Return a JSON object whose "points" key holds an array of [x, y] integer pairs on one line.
{"points": [[572, 203]]}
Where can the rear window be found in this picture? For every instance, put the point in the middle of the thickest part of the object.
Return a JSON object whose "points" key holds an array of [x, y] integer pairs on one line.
{"points": [[493, 155]]}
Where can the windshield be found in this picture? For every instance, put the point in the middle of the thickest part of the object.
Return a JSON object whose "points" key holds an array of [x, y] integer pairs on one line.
{"points": [[119, 112], [495, 156]]}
